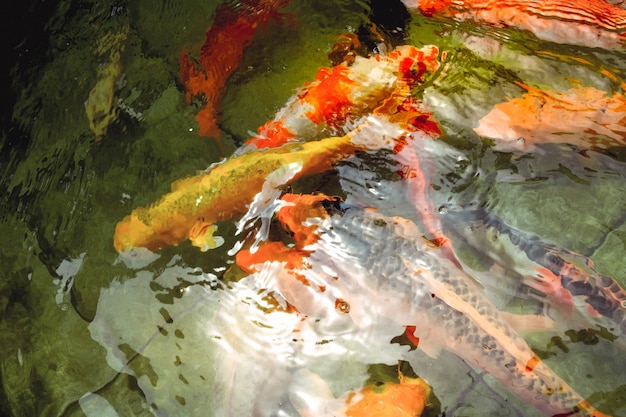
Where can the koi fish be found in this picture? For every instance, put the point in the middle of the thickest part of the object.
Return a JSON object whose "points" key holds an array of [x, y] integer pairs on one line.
{"points": [[414, 286], [593, 23], [232, 32], [195, 204], [583, 116], [101, 106], [562, 277], [340, 95], [406, 398]]}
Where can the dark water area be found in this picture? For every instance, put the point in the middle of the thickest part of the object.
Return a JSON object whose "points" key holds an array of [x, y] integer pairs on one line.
{"points": [[519, 147], [24, 45]]}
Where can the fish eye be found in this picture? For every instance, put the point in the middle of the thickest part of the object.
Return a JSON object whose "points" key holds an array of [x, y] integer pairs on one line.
{"points": [[342, 306]]}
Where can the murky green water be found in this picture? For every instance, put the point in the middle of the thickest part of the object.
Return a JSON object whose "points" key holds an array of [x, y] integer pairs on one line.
{"points": [[63, 192]]}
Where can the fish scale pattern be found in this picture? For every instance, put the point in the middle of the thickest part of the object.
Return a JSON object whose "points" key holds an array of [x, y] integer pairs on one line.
{"points": [[576, 273], [376, 254]]}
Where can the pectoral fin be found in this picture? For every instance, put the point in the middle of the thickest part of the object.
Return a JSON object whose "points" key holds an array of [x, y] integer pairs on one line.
{"points": [[201, 236]]}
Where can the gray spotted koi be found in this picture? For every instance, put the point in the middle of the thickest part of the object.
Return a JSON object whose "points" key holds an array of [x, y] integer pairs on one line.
{"points": [[604, 297], [385, 268]]}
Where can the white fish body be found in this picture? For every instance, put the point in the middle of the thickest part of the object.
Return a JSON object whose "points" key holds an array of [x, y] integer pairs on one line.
{"points": [[387, 271]]}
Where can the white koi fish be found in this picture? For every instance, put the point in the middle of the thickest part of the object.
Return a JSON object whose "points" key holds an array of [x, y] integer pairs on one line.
{"points": [[386, 270]]}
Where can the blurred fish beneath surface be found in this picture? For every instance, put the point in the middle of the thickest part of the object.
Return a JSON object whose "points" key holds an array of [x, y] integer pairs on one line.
{"points": [[316, 208]]}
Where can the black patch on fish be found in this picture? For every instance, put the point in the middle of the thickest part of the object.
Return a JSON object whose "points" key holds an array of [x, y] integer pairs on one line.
{"points": [[334, 205]]}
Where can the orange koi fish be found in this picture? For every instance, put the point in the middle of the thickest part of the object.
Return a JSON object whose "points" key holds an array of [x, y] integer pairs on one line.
{"points": [[368, 256], [583, 116], [406, 398], [593, 23], [342, 94], [233, 30]]}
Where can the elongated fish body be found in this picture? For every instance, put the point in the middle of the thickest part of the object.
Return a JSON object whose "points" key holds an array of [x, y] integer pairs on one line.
{"points": [[224, 192], [219, 194], [340, 95], [593, 23], [386, 269], [233, 30], [600, 294], [585, 117]]}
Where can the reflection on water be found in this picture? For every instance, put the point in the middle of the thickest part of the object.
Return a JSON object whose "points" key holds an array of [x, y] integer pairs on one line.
{"points": [[101, 125]]}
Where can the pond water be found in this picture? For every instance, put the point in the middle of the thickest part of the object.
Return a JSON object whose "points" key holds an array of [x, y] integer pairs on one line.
{"points": [[100, 125]]}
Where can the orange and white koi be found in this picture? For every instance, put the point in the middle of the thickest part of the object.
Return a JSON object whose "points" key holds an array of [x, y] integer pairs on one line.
{"points": [[340, 100], [414, 286], [340, 95], [583, 116], [594, 23], [233, 30]]}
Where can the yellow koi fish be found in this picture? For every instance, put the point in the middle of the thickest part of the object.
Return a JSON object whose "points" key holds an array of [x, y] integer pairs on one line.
{"points": [[195, 204]]}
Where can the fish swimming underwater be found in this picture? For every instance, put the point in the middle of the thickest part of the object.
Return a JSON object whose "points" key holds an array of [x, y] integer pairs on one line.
{"points": [[337, 102], [565, 280], [195, 204], [368, 257], [593, 23], [583, 116], [340, 95], [232, 32]]}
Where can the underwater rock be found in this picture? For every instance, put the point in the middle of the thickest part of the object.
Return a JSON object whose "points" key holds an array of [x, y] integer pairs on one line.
{"points": [[198, 347]]}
